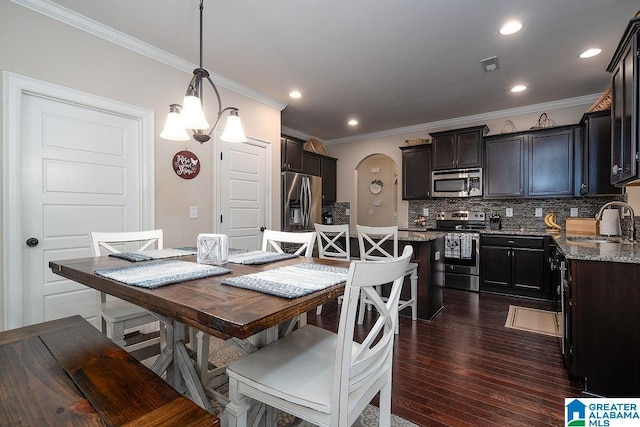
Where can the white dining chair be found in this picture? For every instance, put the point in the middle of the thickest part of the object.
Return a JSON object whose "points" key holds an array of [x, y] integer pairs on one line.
{"points": [[115, 315], [324, 378], [371, 242], [303, 242], [328, 238]]}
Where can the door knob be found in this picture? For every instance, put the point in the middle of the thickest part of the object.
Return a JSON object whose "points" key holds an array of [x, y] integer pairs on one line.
{"points": [[32, 241], [262, 228]]}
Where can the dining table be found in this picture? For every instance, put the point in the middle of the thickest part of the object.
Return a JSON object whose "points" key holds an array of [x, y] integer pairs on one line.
{"points": [[248, 318]]}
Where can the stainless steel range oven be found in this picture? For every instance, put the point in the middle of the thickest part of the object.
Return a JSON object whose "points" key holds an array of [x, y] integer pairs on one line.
{"points": [[462, 248]]}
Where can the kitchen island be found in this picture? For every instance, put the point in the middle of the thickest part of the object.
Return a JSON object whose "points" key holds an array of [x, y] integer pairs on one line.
{"points": [[428, 253]]}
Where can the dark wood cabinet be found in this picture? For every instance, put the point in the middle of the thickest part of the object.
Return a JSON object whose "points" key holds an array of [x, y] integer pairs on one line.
{"points": [[604, 337], [328, 168], [536, 163], [416, 172], [551, 166], [515, 265], [593, 172], [458, 149], [625, 66], [311, 164], [504, 166], [291, 154]]}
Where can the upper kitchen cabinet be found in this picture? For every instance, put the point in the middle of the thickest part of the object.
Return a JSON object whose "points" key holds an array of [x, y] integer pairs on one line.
{"points": [[329, 169], [416, 172], [624, 107], [504, 166], [324, 167], [458, 149], [535, 163], [595, 155], [291, 154]]}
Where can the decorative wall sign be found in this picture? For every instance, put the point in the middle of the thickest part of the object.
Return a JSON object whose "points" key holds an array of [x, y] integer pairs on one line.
{"points": [[186, 164]]}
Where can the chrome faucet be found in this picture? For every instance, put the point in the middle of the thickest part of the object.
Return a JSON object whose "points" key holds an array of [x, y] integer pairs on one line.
{"points": [[624, 205]]}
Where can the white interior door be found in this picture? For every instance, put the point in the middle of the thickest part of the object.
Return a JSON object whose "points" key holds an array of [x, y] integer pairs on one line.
{"points": [[244, 192]]}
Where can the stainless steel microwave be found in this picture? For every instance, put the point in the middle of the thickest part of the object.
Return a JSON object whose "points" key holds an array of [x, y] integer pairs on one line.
{"points": [[457, 183]]}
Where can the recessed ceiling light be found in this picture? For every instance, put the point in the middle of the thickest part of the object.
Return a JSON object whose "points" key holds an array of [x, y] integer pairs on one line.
{"points": [[352, 122], [589, 53], [295, 94], [518, 88], [510, 28]]}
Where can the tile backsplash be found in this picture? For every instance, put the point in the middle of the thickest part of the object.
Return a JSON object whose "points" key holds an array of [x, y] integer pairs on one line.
{"points": [[523, 209]]}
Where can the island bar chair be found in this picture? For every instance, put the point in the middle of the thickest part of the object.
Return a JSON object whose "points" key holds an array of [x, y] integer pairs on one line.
{"points": [[370, 242], [327, 237], [115, 315], [324, 378]]}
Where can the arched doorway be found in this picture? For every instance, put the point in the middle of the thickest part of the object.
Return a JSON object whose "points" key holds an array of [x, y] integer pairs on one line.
{"points": [[377, 191]]}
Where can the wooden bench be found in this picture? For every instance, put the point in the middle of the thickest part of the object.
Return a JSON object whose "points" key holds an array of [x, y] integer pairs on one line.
{"points": [[65, 372]]}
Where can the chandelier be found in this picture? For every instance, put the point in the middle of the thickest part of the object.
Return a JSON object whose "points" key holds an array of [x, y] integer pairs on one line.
{"points": [[190, 114]]}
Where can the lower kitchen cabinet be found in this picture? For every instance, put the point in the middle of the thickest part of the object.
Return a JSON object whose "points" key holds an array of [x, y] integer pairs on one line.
{"points": [[515, 265], [604, 335]]}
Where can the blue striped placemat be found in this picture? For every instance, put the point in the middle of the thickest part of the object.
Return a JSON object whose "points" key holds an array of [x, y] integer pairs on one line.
{"points": [[161, 274], [291, 281], [154, 254], [257, 257]]}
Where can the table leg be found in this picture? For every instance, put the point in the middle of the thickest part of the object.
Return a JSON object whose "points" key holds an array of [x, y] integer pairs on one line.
{"points": [[174, 360]]}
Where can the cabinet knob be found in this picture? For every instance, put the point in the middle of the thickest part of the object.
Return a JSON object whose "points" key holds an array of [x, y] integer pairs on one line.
{"points": [[615, 169]]}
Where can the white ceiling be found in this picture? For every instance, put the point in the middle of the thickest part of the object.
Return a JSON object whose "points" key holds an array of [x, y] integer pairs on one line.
{"points": [[388, 63]]}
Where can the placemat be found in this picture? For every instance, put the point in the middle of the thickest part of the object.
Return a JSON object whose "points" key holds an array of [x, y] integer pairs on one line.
{"points": [[154, 254], [256, 257], [162, 273], [291, 281]]}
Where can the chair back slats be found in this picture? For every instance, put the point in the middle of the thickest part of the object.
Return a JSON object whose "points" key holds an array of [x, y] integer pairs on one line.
{"points": [[358, 366], [329, 238], [372, 239], [144, 239], [272, 240]]}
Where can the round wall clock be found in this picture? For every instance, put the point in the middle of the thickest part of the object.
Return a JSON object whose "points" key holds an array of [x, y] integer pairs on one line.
{"points": [[186, 164], [376, 186]]}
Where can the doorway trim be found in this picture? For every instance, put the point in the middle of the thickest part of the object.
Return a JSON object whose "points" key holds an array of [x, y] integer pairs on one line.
{"points": [[14, 86]]}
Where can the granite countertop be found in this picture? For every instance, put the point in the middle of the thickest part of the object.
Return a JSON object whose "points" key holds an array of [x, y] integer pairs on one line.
{"points": [[598, 248], [585, 248], [415, 235]]}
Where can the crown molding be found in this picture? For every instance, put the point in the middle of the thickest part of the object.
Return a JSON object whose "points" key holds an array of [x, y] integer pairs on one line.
{"points": [[83, 23], [463, 121]]}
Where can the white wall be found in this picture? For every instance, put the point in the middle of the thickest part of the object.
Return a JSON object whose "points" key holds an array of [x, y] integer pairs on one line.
{"points": [[34, 45], [350, 154]]}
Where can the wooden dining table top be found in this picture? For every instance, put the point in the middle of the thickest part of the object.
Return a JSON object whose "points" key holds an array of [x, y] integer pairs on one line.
{"points": [[220, 310]]}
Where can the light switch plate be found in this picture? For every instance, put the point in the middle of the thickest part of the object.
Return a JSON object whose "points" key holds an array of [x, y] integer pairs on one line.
{"points": [[425, 212], [574, 211], [538, 211], [347, 212], [193, 212], [509, 212]]}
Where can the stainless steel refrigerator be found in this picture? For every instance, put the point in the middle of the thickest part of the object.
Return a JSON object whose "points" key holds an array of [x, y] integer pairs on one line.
{"points": [[301, 201]]}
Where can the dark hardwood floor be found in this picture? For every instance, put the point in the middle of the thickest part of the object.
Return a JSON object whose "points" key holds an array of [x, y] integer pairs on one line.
{"points": [[465, 368]]}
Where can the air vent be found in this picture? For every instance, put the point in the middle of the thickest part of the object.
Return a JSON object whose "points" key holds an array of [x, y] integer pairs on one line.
{"points": [[490, 64]]}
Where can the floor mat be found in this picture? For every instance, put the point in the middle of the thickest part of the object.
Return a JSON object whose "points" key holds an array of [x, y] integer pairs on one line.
{"points": [[533, 320]]}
